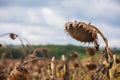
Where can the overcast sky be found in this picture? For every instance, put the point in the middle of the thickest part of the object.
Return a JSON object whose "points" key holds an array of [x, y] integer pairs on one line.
{"points": [[42, 21]]}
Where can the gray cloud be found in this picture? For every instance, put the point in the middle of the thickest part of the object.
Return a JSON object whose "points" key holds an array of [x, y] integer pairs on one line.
{"points": [[29, 3], [42, 22], [107, 11]]}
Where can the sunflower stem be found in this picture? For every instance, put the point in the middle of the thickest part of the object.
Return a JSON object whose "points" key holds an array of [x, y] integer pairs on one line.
{"points": [[103, 37]]}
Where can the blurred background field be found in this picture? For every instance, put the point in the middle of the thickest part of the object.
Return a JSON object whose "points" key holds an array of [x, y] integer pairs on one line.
{"points": [[70, 62], [50, 51]]}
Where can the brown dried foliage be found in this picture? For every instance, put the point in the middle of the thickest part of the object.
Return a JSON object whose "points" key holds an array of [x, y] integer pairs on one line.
{"points": [[19, 73], [91, 66], [3, 73]]}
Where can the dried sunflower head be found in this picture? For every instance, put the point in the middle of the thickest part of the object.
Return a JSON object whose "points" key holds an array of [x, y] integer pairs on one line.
{"points": [[91, 66], [43, 50], [13, 36], [82, 32], [90, 51], [76, 64], [1, 45], [74, 54]]}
